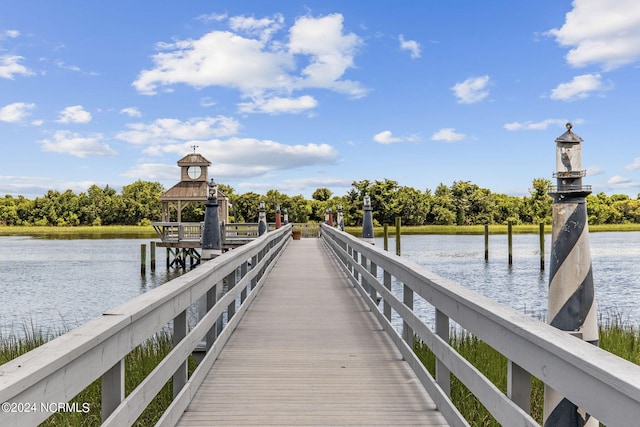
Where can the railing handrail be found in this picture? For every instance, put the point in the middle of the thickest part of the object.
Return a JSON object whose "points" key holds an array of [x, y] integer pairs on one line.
{"points": [[606, 386], [59, 369]]}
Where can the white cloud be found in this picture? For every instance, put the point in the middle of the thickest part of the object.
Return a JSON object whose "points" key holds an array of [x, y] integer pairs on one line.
{"points": [[448, 135], [10, 66], [163, 131], [331, 53], [11, 34], [131, 112], [263, 28], [386, 137], [411, 45], [250, 59], [219, 58], [149, 171], [16, 112], [543, 125], [595, 170], [618, 181], [277, 105], [635, 165], [77, 145], [74, 114], [472, 90], [249, 157], [579, 88], [601, 32]]}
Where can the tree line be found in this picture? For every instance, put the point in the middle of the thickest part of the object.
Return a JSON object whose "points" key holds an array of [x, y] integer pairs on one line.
{"points": [[462, 203]]}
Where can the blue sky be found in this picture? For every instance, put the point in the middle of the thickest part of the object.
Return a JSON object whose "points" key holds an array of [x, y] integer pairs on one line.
{"points": [[300, 95]]}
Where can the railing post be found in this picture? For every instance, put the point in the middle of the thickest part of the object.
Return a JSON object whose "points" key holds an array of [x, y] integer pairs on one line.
{"points": [[355, 272], [231, 282], [212, 298], [407, 299], [363, 262], [387, 284], [179, 332], [243, 272], [254, 263], [519, 386], [373, 269], [112, 389], [443, 375]]}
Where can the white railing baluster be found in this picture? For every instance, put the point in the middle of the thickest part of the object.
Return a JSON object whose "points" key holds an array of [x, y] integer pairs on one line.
{"points": [[519, 386], [386, 282], [443, 375], [180, 329], [112, 389], [407, 299]]}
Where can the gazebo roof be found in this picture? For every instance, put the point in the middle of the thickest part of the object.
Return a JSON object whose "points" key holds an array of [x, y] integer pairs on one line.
{"points": [[193, 159], [188, 191]]}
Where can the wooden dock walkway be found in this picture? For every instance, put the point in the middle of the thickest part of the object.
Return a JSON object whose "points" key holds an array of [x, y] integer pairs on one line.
{"points": [[309, 352]]}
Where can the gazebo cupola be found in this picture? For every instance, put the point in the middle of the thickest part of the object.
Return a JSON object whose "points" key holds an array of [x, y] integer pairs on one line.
{"points": [[193, 187]]}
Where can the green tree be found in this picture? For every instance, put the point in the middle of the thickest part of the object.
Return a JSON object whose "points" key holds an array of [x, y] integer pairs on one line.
{"points": [[141, 201], [321, 194], [443, 210], [539, 205]]}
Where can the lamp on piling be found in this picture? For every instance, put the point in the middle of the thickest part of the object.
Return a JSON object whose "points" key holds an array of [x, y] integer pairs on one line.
{"points": [[211, 239], [262, 219], [367, 221]]}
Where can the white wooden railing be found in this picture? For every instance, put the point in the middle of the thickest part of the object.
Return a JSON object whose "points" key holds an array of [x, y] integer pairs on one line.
{"points": [[604, 385], [58, 370]]}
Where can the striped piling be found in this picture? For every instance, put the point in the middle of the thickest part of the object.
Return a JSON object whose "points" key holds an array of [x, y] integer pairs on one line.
{"points": [[572, 306]]}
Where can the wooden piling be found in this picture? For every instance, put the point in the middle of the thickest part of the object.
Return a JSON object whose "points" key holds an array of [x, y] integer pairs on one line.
{"points": [[510, 239], [386, 237], [398, 223], [143, 259], [486, 242], [153, 257], [542, 246]]}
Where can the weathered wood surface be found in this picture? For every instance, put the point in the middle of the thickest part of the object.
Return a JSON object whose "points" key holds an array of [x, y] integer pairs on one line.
{"points": [[308, 352]]}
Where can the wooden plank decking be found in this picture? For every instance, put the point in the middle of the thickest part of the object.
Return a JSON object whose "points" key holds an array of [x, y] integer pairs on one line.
{"points": [[308, 352]]}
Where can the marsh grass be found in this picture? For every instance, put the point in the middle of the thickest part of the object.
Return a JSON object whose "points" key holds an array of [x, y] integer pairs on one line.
{"points": [[138, 364], [616, 337], [479, 229], [81, 232]]}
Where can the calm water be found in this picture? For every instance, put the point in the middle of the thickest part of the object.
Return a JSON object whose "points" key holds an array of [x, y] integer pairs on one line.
{"points": [[615, 259], [60, 284], [56, 284]]}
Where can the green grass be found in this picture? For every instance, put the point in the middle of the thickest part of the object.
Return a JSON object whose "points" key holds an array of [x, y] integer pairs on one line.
{"points": [[615, 336], [479, 229], [138, 364], [81, 232]]}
